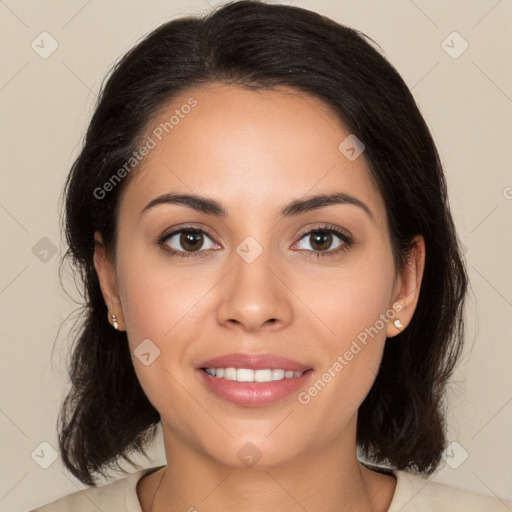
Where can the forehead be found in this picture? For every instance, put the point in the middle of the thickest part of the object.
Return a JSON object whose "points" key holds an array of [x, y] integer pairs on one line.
{"points": [[252, 149]]}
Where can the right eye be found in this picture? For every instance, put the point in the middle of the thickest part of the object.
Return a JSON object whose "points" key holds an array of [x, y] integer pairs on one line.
{"points": [[185, 242]]}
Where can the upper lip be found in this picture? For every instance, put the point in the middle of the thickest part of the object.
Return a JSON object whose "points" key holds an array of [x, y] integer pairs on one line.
{"points": [[254, 362]]}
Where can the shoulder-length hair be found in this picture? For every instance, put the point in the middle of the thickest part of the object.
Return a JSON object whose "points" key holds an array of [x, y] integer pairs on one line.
{"points": [[106, 414]]}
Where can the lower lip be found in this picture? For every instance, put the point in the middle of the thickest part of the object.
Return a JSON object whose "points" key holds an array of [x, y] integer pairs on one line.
{"points": [[254, 394]]}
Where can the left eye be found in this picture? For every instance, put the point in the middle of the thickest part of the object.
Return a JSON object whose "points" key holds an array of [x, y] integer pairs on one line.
{"points": [[321, 240]]}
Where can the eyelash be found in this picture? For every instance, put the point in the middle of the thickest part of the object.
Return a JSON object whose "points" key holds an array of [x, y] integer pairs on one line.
{"points": [[325, 228]]}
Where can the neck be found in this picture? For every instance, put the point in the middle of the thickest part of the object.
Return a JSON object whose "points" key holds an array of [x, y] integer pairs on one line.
{"points": [[329, 478]]}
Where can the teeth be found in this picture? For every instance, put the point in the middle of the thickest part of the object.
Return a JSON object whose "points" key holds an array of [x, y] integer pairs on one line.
{"points": [[230, 373], [278, 374], [244, 375], [248, 375]]}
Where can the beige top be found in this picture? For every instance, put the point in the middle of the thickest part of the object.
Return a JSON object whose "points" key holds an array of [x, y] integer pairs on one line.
{"points": [[413, 493]]}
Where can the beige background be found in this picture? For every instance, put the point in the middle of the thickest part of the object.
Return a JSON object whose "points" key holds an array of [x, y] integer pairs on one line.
{"points": [[46, 103]]}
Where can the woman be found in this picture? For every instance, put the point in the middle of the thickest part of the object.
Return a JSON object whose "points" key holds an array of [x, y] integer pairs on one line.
{"points": [[271, 270]]}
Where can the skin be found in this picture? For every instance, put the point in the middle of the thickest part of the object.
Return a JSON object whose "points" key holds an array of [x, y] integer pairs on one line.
{"points": [[256, 151]]}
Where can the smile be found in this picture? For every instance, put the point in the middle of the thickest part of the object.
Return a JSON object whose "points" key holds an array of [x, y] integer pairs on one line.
{"points": [[253, 380]]}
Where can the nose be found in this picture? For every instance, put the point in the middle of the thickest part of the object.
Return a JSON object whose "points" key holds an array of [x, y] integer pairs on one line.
{"points": [[254, 296]]}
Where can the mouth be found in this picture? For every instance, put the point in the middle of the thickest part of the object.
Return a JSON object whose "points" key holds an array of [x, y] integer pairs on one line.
{"points": [[253, 380]]}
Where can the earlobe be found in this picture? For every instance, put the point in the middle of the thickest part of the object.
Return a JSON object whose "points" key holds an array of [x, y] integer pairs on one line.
{"points": [[105, 270], [408, 287]]}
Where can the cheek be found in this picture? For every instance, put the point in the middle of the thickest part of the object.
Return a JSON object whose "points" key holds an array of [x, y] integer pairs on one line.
{"points": [[151, 306], [158, 305], [157, 295], [352, 300], [354, 307], [162, 303]]}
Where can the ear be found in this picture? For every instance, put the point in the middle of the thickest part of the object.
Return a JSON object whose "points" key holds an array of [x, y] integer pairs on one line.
{"points": [[105, 268], [407, 288]]}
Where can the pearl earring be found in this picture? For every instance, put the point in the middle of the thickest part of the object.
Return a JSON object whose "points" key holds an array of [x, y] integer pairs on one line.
{"points": [[114, 322], [398, 324]]}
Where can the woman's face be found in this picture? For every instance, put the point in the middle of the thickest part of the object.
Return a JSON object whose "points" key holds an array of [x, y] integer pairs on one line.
{"points": [[254, 281]]}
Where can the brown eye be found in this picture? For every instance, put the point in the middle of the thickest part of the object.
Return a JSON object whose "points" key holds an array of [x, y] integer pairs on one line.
{"points": [[322, 240], [188, 241], [191, 240]]}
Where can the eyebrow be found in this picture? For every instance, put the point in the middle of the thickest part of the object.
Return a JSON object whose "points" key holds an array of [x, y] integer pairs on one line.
{"points": [[297, 207]]}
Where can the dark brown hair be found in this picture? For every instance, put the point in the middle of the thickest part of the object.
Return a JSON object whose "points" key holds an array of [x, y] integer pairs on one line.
{"points": [[106, 414]]}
